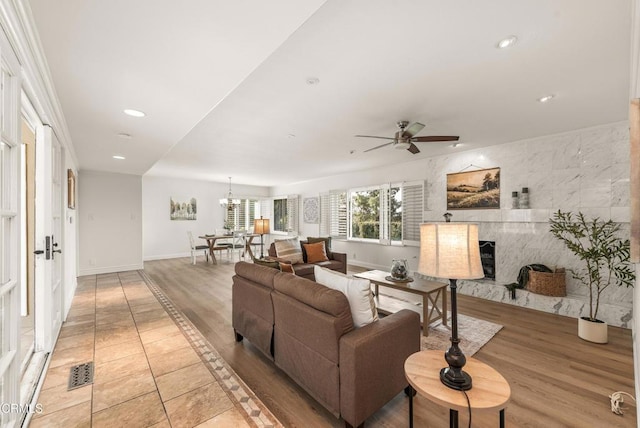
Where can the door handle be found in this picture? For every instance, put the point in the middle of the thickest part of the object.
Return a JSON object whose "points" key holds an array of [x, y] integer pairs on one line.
{"points": [[38, 252]]}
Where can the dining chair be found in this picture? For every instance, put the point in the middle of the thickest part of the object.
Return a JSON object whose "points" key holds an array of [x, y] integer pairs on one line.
{"points": [[195, 248], [238, 244]]}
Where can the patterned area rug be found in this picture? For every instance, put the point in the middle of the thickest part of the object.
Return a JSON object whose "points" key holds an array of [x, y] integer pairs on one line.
{"points": [[473, 334], [244, 399]]}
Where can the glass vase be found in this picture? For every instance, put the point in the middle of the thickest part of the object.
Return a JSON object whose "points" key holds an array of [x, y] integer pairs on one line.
{"points": [[399, 269]]}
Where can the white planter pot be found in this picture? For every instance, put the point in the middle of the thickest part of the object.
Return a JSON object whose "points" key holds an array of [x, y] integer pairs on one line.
{"points": [[592, 331]]}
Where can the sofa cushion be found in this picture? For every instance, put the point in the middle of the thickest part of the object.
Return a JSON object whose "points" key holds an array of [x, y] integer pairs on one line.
{"points": [[305, 270], [286, 267], [289, 249], [260, 274], [357, 291], [327, 244], [267, 263], [316, 252]]}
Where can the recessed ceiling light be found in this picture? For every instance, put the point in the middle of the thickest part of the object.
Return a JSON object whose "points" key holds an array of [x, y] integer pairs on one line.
{"points": [[291, 135], [134, 113], [118, 157], [506, 42], [124, 135], [546, 98], [312, 80]]}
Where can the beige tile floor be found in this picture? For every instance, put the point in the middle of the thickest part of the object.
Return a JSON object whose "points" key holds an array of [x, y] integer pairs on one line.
{"points": [[146, 372]]}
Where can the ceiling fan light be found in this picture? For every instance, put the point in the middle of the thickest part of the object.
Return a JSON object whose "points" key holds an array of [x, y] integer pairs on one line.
{"points": [[402, 145]]}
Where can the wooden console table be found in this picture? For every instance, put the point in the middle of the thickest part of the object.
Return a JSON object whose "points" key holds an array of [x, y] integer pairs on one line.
{"points": [[429, 290], [490, 390]]}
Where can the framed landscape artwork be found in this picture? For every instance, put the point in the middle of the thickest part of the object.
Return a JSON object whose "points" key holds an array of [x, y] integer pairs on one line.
{"points": [[187, 210], [474, 189]]}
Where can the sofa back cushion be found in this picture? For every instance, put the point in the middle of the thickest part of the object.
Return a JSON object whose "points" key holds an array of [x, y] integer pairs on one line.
{"points": [[357, 291], [289, 250], [260, 274]]}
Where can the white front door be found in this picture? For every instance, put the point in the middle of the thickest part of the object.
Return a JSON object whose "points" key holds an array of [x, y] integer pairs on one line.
{"points": [[48, 238], [10, 244]]}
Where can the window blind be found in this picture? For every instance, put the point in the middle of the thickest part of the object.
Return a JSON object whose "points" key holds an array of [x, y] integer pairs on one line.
{"points": [[292, 214], [333, 214]]}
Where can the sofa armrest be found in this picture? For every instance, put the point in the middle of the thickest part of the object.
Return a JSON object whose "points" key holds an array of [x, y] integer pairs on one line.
{"points": [[372, 363], [340, 257]]}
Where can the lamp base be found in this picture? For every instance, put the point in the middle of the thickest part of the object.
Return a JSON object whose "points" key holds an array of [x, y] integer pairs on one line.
{"points": [[460, 381]]}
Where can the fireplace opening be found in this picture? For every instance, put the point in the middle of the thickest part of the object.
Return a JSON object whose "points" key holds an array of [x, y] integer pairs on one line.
{"points": [[488, 258]]}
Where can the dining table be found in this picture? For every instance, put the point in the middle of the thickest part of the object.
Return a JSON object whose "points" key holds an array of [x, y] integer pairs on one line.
{"points": [[212, 239]]}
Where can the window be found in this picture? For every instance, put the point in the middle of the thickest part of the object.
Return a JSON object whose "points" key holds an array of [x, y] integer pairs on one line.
{"points": [[364, 214], [246, 213], [285, 214], [388, 214]]}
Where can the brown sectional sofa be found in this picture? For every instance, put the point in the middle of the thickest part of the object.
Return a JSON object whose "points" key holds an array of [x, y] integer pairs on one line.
{"points": [[337, 262], [307, 330]]}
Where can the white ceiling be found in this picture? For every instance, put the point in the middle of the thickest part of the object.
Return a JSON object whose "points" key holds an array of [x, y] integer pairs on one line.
{"points": [[224, 83]]}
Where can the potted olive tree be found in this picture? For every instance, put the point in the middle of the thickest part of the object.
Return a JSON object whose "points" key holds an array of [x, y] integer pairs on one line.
{"points": [[605, 261]]}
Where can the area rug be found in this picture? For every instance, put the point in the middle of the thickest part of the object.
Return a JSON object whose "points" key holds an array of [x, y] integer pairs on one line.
{"points": [[244, 399], [472, 332]]}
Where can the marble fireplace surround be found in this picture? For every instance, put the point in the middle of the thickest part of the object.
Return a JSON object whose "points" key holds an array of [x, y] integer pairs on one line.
{"points": [[522, 237]]}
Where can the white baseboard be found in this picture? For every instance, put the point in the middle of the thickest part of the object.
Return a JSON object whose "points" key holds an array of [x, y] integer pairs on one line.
{"points": [[110, 269], [167, 256]]}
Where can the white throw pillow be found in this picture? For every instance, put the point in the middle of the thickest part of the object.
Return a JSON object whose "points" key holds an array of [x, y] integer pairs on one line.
{"points": [[289, 249], [357, 290]]}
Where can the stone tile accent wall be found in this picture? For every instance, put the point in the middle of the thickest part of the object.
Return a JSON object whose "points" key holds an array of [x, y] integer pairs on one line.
{"points": [[586, 170]]}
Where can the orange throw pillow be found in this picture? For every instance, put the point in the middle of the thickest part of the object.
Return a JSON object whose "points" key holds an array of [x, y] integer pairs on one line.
{"points": [[286, 267], [316, 252]]}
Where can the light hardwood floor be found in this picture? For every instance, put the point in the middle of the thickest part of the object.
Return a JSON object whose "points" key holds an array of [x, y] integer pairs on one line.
{"points": [[557, 379]]}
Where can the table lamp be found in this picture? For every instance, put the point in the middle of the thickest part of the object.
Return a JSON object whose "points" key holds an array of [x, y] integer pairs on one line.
{"points": [[261, 226], [451, 250]]}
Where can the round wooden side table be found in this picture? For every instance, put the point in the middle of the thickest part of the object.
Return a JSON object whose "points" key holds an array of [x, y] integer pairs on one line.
{"points": [[490, 389]]}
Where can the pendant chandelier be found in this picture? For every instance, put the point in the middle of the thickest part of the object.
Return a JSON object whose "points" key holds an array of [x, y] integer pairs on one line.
{"points": [[229, 202]]}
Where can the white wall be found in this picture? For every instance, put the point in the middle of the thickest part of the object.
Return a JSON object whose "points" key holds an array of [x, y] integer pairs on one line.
{"points": [[164, 238], [635, 93], [110, 222]]}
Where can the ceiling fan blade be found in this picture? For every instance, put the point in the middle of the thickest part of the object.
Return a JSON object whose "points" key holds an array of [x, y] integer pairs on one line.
{"points": [[375, 136], [413, 129], [377, 147], [413, 149], [432, 138]]}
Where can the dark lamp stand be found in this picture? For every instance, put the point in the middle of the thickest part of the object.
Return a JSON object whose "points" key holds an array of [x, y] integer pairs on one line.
{"points": [[453, 376], [261, 226]]}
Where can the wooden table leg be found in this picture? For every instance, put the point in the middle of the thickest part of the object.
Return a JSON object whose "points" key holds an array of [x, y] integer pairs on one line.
{"points": [[501, 418], [453, 418]]}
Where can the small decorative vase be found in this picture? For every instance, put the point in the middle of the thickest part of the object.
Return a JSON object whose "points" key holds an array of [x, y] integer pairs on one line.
{"points": [[399, 269]]}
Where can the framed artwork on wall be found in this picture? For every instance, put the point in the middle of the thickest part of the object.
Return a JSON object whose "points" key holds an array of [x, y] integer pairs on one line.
{"points": [[187, 210], [311, 209], [71, 189], [474, 189]]}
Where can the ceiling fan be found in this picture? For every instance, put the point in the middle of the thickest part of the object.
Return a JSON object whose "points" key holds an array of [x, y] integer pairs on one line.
{"points": [[404, 137]]}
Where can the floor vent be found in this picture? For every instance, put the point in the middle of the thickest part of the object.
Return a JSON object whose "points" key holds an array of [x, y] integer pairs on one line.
{"points": [[80, 375]]}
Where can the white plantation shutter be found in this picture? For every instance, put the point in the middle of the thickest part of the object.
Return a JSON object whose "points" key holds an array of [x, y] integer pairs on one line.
{"points": [[292, 213], [333, 214], [412, 209], [385, 191]]}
